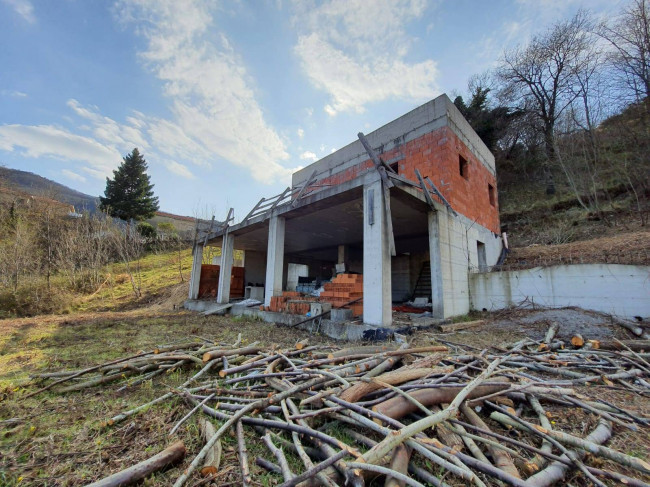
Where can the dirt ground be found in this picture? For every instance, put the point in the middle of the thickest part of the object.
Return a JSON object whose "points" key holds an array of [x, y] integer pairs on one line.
{"points": [[54, 439]]}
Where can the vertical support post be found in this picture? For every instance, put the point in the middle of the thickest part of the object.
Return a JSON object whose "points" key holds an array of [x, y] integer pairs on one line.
{"points": [[195, 276], [342, 254], [225, 269], [274, 259], [437, 297], [377, 284]]}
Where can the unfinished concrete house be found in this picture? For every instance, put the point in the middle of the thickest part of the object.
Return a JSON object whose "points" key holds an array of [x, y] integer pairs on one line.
{"points": [[404, 212]]}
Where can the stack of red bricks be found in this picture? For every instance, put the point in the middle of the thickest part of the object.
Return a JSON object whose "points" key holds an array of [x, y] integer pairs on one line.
{"points": [[343, 289], [291, 302]]}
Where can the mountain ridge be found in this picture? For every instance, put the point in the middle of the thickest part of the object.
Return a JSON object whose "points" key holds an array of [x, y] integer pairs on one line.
{"points": [[36, 185]]}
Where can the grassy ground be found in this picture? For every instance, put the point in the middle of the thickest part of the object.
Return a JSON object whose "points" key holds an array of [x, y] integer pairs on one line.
{"points": [[59, 439], [153, 275]]}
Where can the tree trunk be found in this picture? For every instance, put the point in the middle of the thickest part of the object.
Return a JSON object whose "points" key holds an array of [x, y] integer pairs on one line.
{"points": [[547, 164]]}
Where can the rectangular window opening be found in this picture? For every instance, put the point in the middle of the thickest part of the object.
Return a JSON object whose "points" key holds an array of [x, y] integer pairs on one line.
{"points": [[492, 195], [482, 259], [463, 166]]}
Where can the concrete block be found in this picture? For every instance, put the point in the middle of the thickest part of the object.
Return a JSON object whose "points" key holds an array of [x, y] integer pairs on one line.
{"points": [[340, 315], [319, 308]]}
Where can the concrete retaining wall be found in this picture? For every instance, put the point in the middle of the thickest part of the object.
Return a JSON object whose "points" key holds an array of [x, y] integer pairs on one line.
{"points": [[622, 290]]}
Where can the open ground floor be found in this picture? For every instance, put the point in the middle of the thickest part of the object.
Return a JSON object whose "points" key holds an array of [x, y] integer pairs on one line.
{"points": [[357, 246]]}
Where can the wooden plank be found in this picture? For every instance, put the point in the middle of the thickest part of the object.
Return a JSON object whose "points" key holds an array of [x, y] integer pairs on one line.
{"points": [[439, 195], [310, 179], [205, 241], [461, 326], [389, 221], [425, 190], [378, 164], [279, 198], [254, 209]]}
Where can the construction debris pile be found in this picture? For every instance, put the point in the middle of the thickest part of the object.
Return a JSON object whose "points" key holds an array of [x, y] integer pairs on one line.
{"points": [[437, 415]]}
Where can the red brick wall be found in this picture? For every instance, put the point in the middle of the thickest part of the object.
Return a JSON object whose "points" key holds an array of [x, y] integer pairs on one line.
{"points": [[436, 155]]}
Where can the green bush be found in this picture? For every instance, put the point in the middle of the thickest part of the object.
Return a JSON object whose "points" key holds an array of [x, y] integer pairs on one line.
{"points": [[147, 231]]}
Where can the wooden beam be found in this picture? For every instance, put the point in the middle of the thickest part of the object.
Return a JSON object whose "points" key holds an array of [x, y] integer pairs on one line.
{"points": [[378, 164], [389, 221], [277, 201], [294, 203], [254, 209], [439, 195], [425, 190]]}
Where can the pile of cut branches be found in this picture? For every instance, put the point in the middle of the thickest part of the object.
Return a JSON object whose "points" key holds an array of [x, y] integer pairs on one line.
{"points": [[471, 416]]}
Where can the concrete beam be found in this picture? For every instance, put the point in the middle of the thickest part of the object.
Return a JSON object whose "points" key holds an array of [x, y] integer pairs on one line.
{"points": [[225, 270], [437, 297], [376, 258], [195, 276], [274, 259]]}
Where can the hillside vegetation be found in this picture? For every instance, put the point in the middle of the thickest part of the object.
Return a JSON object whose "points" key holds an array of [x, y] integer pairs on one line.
{"points": [[52, 262]]}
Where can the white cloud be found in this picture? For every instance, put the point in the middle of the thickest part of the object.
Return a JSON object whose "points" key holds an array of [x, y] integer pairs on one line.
{"points": [[56, 143], [179, 169], [308, 156], [24, 8], [13, 93], [73, 175], [124, 137], [211, 94], [301, 133], [357, 54]]}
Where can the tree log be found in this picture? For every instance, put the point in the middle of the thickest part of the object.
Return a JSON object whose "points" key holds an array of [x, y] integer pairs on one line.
{"points": [[207, 356], [398, 407], [556, 470], [551, 332], [577, 341], [635, 345], [137, 472], [501, 458], [584, 444], [399, 463], [361, 389], [213, 458]]}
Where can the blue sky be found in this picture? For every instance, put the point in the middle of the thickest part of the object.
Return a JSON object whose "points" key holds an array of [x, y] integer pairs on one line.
{"points": [[226, 99]]}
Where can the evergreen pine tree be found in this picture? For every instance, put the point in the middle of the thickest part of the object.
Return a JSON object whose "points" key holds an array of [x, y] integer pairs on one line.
{"points": [[129, 195]]}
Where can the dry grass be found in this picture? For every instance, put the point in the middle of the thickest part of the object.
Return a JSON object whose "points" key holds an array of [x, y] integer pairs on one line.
{"points": [[627, 248]]}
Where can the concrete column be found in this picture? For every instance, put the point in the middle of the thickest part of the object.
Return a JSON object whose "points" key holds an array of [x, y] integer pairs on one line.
{"points": [[274, 259], [437, 298], [195, 276], [342, 254], [225, 269], [376, 259]]}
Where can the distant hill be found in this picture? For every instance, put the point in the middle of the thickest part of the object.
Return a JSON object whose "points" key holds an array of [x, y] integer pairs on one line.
{"points": [[36, 185], [13, 182]]}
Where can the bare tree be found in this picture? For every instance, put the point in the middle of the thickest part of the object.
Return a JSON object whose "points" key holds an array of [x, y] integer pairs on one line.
{"points": [[629, 36], [542, 75]]}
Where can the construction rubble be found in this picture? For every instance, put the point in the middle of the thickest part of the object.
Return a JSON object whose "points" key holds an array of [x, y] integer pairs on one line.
{"points": [[441, 415]]}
